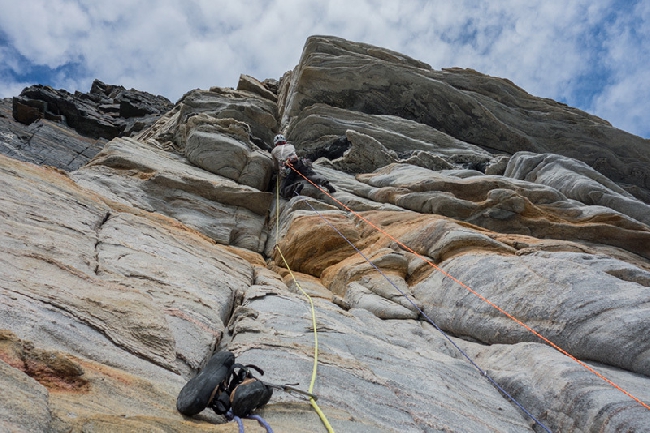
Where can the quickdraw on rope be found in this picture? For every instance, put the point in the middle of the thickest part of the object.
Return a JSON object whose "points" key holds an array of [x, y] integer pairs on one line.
{"points": [[474, 292], [312, 400]]}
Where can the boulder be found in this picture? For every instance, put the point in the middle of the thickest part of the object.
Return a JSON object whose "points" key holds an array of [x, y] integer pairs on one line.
{"points": [[364, 156], [222, 146]]}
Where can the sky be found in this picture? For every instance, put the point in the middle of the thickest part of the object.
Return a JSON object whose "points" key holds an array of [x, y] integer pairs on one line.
{"points": [[589, 54]]}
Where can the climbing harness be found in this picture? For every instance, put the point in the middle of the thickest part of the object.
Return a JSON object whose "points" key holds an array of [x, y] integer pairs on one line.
{"points": [[312, 399], [481, 297]]}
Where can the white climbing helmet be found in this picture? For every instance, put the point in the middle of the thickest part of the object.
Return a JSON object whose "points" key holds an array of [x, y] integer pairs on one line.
{"points": [[279, 139]]}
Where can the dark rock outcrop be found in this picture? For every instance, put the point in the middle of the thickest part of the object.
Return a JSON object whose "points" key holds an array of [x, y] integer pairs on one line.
{"points": [[107, 111], [45, 142], [66, 130]]}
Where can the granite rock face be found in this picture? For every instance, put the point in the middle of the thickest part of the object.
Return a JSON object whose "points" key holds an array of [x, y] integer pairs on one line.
{"points": [[135, 174], [472, 226]]}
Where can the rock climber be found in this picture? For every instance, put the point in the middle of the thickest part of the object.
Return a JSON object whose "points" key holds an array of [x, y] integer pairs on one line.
{"points": [[290, 167]]}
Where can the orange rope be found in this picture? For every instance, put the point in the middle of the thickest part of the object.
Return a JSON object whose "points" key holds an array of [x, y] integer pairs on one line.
{"points": [[481, 297]]}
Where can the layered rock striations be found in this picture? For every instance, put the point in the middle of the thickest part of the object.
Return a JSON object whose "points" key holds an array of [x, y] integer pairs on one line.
{"points": [[488, 112], [457, 195], [66, 130]]}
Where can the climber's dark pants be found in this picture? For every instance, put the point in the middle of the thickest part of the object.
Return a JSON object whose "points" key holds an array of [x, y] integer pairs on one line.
{"points": [[293, 181]]}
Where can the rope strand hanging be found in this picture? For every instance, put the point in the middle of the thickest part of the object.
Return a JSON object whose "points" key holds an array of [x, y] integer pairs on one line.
{"points": [[312, 401]]}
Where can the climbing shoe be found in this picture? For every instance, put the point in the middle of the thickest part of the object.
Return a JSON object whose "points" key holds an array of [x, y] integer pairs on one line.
{"points": [[249, 395], [197, 394], [220, 404]]}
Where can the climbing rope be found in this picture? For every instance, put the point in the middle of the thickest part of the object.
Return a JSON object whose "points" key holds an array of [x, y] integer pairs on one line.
{"points": [[481, 297], [312, 400], [262, 422], [240, 424], [510, 397]]}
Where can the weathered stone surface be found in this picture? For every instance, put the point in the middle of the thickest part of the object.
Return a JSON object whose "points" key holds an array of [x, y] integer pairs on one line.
{"points": [[129, 277], [490, 112], [112, 286], [330, 249], [256, 112], [222, 146], [571, 298], [577, 181], [364, 156], [497, 166], [316, 125], [131, 172], [299, 283], [366, 362], [378, 286], [506, 205], [23, 402], [581, 401], [27, 111], [119, 279], [425, 159], [251, 84]]}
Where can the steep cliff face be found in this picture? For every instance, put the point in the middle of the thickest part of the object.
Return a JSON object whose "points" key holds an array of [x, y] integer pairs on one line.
{"points": [[468, 213]]}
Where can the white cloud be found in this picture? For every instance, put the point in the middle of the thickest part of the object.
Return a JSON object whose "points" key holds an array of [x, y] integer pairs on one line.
{"points": [[43, 30], [625, 101], [11, 87], [169, 47]]}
